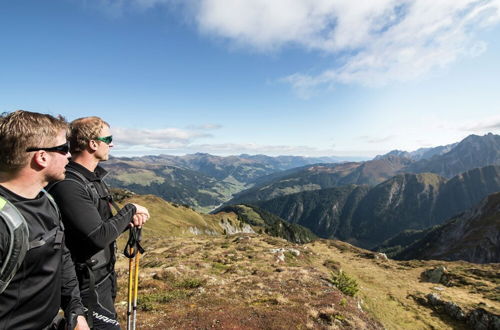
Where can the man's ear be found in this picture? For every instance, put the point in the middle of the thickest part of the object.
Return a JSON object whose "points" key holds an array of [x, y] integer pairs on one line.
{"points": [[41, 158], [93, 145]]}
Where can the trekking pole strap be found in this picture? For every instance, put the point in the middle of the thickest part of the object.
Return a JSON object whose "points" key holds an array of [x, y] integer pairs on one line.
{"points": [[134, 243]]}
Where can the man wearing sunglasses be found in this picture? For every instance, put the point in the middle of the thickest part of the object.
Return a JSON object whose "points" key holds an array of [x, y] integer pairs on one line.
{"points": [[92, 229], [34, 152]]}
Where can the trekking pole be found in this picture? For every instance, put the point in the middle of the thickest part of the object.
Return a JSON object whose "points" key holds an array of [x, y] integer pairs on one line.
{"points": [[130, 282], [133, 249], [136, 280]]}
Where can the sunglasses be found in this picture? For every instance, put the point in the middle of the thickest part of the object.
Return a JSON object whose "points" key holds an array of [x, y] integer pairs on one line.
{"points": [[63, 148], [105, 139]]}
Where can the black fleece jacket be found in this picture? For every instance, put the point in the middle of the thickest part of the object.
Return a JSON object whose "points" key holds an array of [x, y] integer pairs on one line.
{"points": [[89, 227], [46, 279]]}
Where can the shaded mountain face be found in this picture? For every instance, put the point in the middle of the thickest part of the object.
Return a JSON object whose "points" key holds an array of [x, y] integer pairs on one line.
{"points": [[367, 216], [473, 236]]}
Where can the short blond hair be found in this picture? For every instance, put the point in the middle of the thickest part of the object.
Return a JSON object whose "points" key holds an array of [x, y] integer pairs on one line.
{"points": [[82, 130], [20, 130]]}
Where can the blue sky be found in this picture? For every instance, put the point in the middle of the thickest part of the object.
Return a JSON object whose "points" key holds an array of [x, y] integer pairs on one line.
{"points": [[301, 77]]}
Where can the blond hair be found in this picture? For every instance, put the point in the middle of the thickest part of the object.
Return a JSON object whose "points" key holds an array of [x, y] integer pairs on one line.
{"points": [[20, 130], [82, 130]]}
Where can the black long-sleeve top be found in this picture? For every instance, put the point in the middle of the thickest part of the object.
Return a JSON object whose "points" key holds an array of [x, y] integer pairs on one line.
{"points": [[89, 227], [46, 279]]}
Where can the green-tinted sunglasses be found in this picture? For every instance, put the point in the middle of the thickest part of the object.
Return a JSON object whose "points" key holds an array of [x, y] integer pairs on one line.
{"points": [[105, 139]]}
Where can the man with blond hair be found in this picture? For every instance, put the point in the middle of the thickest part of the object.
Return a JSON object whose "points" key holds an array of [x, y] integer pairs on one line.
{"points": [[92, 229], [33, 152]]}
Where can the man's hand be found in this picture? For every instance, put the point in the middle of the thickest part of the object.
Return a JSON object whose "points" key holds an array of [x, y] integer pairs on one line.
{"points": [[81, 323], [140, 217]]}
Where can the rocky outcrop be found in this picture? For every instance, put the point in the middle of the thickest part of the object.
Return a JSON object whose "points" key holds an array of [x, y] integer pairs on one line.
{"points": [[477, 319], [230, 229]]}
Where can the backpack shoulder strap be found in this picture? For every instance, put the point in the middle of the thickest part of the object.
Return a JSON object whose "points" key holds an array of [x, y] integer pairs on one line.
{"points": [[89, 186], [19, 241]]}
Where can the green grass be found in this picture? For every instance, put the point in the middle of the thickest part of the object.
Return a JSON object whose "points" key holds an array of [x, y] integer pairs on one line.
{"points": [[140, 177], [189, 283], [151, 301], [344, 283]]}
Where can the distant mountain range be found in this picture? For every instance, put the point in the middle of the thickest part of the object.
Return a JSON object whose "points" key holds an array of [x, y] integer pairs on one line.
{"points": [[321, 176], [472, 152], [366, 216], [446, 161], [420, 154], [205, 181], [202, 181], [390, 202]]}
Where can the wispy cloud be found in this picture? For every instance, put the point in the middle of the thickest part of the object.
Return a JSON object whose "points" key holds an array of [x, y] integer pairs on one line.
{"points": [[373, 43], [167, 138], [377, 139], [488, 125], [182, 146]]}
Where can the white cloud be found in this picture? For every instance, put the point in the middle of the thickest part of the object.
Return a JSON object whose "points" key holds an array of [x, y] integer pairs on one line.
{"points": [[370, 43], [148, 146], [167, 138], [483, 126]]}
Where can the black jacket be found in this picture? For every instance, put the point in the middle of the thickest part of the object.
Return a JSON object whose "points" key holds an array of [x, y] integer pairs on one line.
{"points": [[46, 279], [89, 227]]}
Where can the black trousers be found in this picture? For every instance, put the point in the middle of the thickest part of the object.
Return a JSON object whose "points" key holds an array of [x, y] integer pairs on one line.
{"points": [[104, 314]]}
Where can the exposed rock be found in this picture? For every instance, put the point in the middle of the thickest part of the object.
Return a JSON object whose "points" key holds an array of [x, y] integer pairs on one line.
{"points": [[450, 308], [477, 319], [480, 319], [198, 231], [434, 275], [382, 256], [242, 239], [230, 229], [280, 257]]}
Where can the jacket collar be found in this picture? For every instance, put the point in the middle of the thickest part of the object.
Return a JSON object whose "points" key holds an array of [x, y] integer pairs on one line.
{"points": [[98, 174]]}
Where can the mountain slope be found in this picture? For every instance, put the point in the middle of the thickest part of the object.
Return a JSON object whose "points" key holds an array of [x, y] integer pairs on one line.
{"points": [[260, 282], [472, 152], [198, 279], [473, 236], [327, 212], [322, 176], [368, 216], [179, 185], [170, 219]]}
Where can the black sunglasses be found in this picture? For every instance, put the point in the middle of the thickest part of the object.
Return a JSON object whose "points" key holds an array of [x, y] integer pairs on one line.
{"points": [[63, 148]]}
